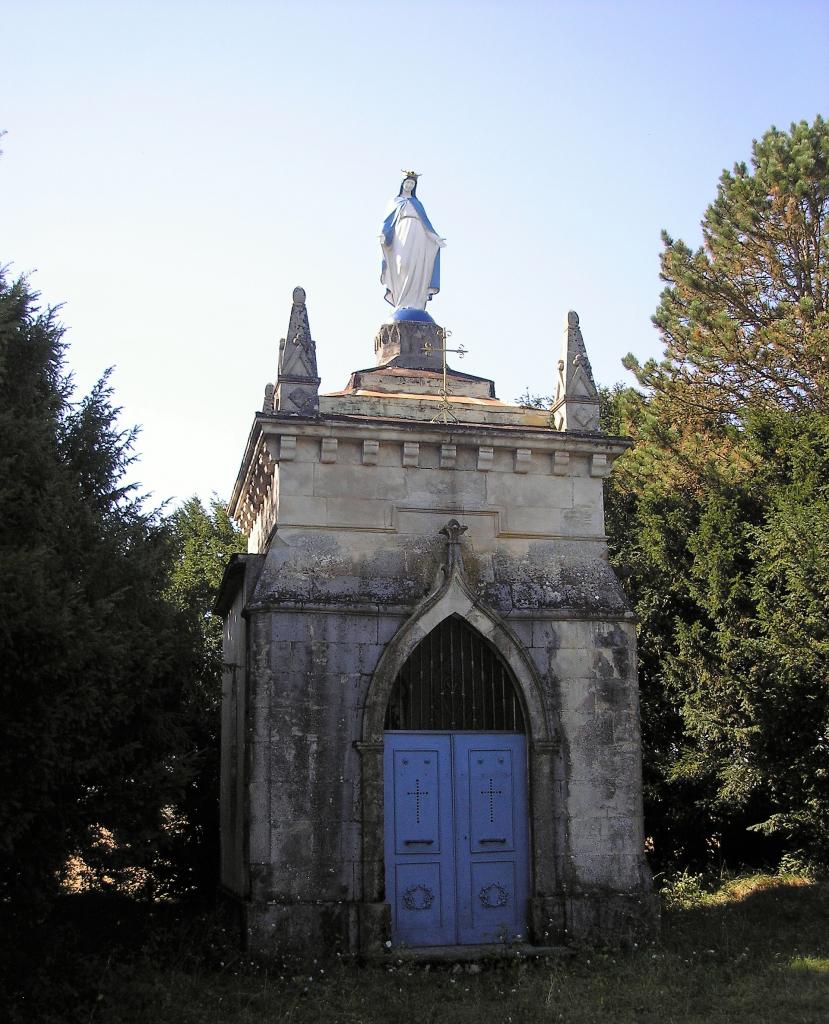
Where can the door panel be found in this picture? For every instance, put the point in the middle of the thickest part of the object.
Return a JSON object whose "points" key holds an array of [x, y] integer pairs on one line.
{"points": [[490, 800], [490, 837], [456, 837], [417, 799], [423, 918], [493, 902], [420, 876]]}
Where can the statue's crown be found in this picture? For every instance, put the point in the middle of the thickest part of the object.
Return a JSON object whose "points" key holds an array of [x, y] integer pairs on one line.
{"points": [[410, 174]]}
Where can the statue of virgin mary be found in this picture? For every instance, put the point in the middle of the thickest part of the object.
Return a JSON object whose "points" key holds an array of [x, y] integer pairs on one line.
{"points": [[411, 251]]}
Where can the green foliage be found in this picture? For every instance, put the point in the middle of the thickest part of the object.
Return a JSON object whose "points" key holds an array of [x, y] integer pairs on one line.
{"points": [[745, 949], [111, 677], [533, 401], [203, 544], [745, 317], [97, 661], [718, 519]]}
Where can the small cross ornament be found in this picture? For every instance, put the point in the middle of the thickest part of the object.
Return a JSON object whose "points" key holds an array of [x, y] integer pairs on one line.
{"points": [[445, 415]]}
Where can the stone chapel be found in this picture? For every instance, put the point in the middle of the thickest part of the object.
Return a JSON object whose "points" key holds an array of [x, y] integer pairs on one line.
{"points": [[430, 720]]}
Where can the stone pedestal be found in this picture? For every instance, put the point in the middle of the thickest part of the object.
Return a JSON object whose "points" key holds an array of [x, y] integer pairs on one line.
{"points": [[404, 344], [298, 395]]}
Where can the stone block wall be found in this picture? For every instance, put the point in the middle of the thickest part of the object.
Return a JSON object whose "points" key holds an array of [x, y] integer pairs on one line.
{"points": [[346, 519], [233, 794], [369, 478]]}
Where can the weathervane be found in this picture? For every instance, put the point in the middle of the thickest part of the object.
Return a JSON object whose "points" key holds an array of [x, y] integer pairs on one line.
{"points": [[445, 415]]}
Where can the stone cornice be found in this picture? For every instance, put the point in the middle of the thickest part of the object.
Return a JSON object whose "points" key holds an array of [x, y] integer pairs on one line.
{"points": [[470, 434], [265, 446]]}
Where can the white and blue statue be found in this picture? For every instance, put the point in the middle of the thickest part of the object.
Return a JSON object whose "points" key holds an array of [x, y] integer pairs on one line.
{"points": [[411, 254]]}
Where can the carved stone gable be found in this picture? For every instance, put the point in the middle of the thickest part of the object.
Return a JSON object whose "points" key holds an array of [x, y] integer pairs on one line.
{"points": [[297, 351], [297, 383], [576, 405]]}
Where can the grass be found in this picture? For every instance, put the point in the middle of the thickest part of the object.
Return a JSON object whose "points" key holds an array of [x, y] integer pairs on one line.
{"points": [[753, 949]]}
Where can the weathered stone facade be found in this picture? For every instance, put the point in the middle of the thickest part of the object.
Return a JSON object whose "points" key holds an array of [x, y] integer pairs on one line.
{"points": [[347, 571]]}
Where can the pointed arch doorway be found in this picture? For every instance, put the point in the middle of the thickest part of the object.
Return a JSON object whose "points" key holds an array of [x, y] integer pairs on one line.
{"points": [[455, 791]]}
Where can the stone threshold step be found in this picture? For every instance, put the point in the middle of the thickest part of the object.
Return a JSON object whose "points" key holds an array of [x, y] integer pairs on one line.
{"points": [[470, 954]]}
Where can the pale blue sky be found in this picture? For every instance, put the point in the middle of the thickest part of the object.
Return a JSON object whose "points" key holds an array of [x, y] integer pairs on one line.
{"points": [[172, 170]]}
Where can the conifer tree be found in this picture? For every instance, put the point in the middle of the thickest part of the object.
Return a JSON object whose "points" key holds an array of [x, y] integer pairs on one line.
{"points": [[745, 318], [93, 656], [203, 541], [720, 515]]}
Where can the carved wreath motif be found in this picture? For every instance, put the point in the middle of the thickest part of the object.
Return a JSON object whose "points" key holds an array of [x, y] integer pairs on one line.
{"points": [[410, 901], [493, 895]]}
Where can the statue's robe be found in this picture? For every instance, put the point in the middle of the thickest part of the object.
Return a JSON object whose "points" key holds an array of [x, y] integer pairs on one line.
{"points": [[411, 254]]}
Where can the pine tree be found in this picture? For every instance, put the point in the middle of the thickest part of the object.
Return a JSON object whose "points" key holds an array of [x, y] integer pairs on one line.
{"points": [[719, 516], [745, 318]]}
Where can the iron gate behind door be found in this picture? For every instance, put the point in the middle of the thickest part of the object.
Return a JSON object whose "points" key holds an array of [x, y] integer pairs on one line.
{"points": [[456, 837], [454, 679]]}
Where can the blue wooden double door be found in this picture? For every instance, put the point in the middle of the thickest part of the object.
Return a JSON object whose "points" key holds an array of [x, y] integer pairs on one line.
{"points": [[456, 837]]}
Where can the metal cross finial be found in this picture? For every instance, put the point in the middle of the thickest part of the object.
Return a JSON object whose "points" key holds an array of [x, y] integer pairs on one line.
{"points": [[445, 415]]}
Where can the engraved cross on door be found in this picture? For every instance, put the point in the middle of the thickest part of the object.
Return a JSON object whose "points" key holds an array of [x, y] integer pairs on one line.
{"points": [[456, 837], [420, 880], [491, 837]]}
